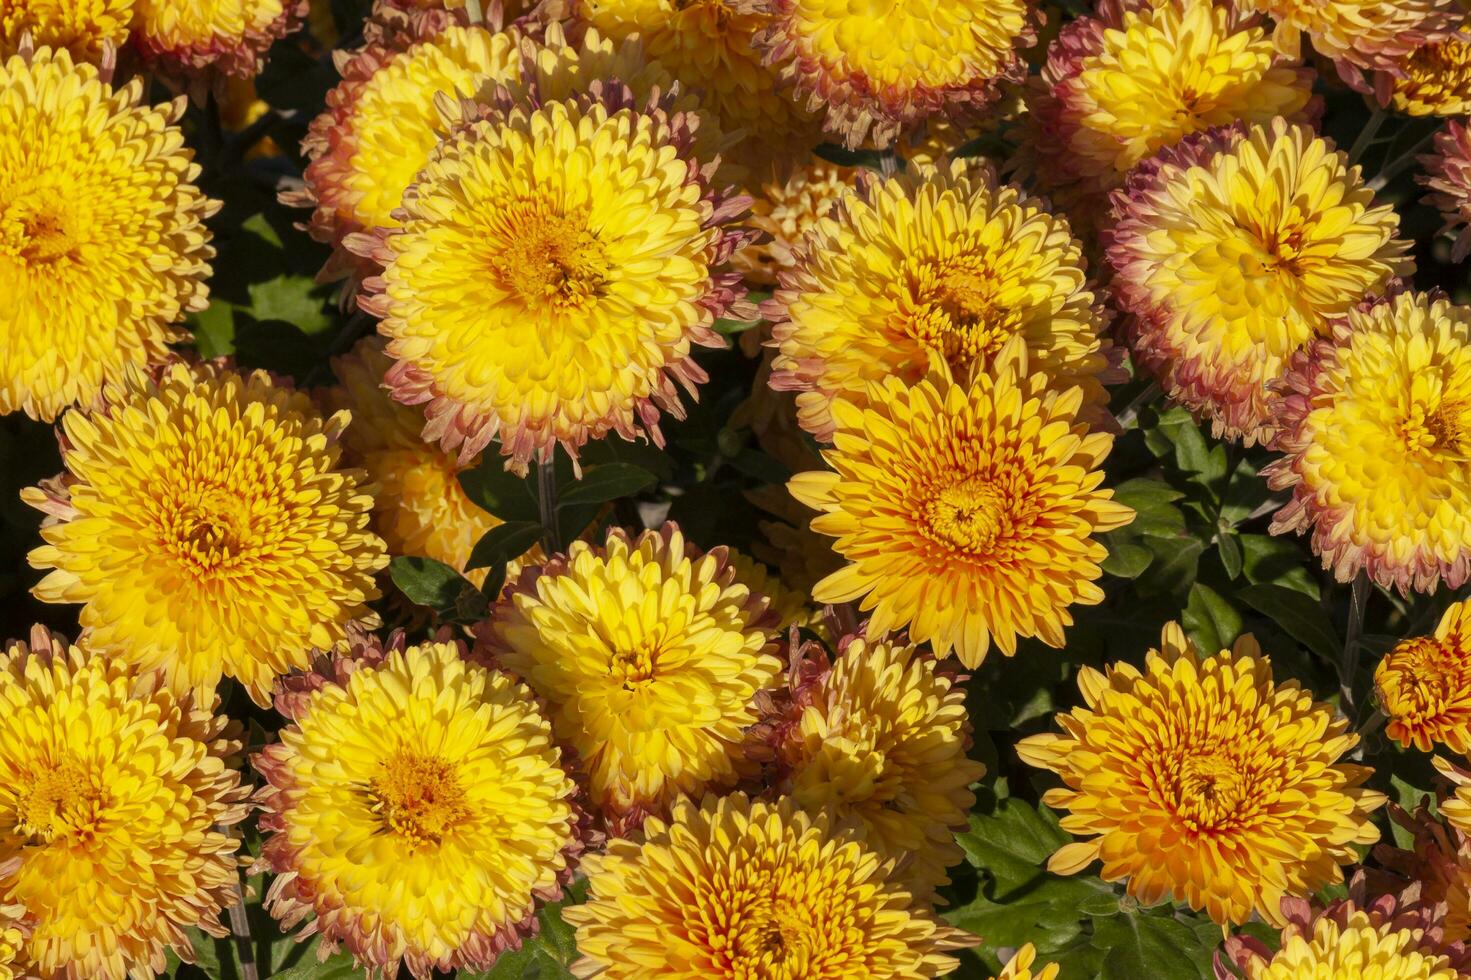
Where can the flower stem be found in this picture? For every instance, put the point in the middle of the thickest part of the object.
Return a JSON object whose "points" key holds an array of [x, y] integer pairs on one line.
{"points": [[1349, 663], [1367, 134], [1130, 414], [546, 502], [240, 927], [1399, 164]]}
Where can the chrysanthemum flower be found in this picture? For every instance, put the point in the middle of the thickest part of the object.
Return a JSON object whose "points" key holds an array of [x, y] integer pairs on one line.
{"points": [[1448, 178], [420, 507], [194, 37], [1202, 779], [1232, 251], [882, 746], [1374, 34], [102, 242], [580, 235], [1352, 939], [1434, 80], [880, 71], [966, 512], [648, 654], [785, 210], [206, 527], [1375, 427], [1118, 87], [82, 27], [707, 45], [418, 811], [933, 268], [1457, 808], [1019, 967], [1440, 862], [13, 932], [735, 888], [381, 122], [114, 798], [1424, 685]]}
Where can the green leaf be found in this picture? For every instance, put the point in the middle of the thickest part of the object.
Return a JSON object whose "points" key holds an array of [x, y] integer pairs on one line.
{"points": [[338, 967], [291, 299], [1012, 843], [1193, 455], [1299, 616], [504, 494], [214, 329], [758, 465], [1125, 558], [608, 481], [1176, 562], [1157, 947], [1210, 620], [1245, 492], [1230, 551], [730, 328], [1277, 561], [504, 543], [434, 584]]}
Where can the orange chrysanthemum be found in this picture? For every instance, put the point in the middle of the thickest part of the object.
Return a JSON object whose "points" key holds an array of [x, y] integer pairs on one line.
{"points": [[934, 269], [1203, 779], [103, 246], [966, 512], [1424, 685], [205, 526], [1375, 427], [116, 802], [878, 71], [735, 888]]}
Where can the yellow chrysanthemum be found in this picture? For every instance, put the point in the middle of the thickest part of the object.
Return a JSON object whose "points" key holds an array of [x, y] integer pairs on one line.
{"points": [[102, 242], [1424, 685], [733, 888], [1435, 79], [115, 796], [1457, 808], [882, 747], [1373, 34], [933, 269], [648, 655], [418, 809], [1375, 425], [1019, 967], [966, 512], [555, 267], [1352, 940], [82, 27], [420, 507], [785, 210], [1234, 250], [881, 69], [191, 37], [707, 46], [1117, 87], [206, 527], [382, 121], [13, 931], [1203, 779]]}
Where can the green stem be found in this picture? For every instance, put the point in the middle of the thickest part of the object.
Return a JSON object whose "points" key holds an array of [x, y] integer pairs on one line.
{"points": [[1399, 164], [1131, 411], [1367, 134], [1347, 666], [546, 502]]}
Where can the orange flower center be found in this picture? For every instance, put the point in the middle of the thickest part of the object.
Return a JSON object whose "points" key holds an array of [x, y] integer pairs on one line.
{"points": [[970, 515], [770, 930], [635, 666], [210, 529], [1445, 428], [550, 258], [960, 317], [38, 238], [1212, 791], [419, 798], [61, 802]]}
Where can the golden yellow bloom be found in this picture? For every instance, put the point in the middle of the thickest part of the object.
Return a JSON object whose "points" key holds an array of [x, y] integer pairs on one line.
{"points": [[1448, 178], [381, 122], [1119, 86], [581, 235], [82, 27], [933, 269], [1375, 428], [1201, 779], [206, 527], [192, 37], [1374, 34], [1233, 250], [1424, 685], [882, 746], [879, 70], [785, 210], [1354, 939], [1440, 862], [1020, 966], [648, 655], [419, 507], [735, 888], [114, 796], [417, 809], [707, 45], [1435, 79], [102, 242], [1457, 808], [966, 512]]}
